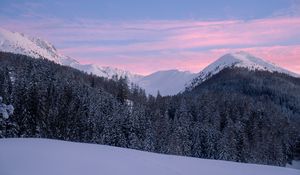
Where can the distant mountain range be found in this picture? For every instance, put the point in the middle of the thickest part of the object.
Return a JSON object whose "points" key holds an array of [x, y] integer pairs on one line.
{"points": [[169, 82]]}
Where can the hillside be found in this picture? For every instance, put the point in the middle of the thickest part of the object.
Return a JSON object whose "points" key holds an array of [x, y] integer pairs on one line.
{"points": [[236, 115]]}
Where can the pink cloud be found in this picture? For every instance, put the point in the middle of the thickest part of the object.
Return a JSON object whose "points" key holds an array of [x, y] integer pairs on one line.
{"points": [[169, 44], [170, 34], [190, 34]]}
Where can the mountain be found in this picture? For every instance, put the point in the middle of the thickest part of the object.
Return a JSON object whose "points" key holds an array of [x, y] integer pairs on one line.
{"points": [[239, 59], [23, 156], [22, 44], [169, 82], [19, 43]]}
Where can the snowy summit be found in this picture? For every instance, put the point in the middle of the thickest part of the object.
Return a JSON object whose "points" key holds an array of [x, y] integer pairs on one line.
{"points": [[19, 43], [238, 59]]}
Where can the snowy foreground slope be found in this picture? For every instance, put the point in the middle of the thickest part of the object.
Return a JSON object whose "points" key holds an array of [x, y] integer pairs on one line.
{"points": [[294, 164], [52, 157]]}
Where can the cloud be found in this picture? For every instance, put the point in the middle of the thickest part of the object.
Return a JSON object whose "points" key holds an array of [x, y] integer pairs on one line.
{"points": [[292, 11], [151, 45], [188, 35]]}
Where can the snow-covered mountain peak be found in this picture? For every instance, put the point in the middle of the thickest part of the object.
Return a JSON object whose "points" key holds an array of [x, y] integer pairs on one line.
{"points": [[244, 59], [240, 59], [20, 43]]}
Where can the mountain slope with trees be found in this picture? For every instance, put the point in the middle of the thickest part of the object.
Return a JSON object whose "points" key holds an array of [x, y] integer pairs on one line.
{"points": [[237, 114]]}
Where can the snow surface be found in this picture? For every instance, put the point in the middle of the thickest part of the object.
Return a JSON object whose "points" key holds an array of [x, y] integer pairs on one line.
{"points": [[52, 157], [295, 164], [238, 59]]}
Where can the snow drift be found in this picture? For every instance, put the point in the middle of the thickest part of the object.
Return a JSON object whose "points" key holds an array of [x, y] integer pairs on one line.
{"points": [[52, 157]]}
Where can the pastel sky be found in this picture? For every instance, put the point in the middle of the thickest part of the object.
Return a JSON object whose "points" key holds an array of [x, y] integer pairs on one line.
{"points": [[151, 35]]}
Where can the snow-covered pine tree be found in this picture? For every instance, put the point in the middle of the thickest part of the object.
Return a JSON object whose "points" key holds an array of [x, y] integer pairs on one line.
{"points": [[5, 112]]}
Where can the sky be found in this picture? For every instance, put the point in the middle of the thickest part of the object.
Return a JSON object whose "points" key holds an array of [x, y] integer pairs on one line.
{"points": [[147, 36]]}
